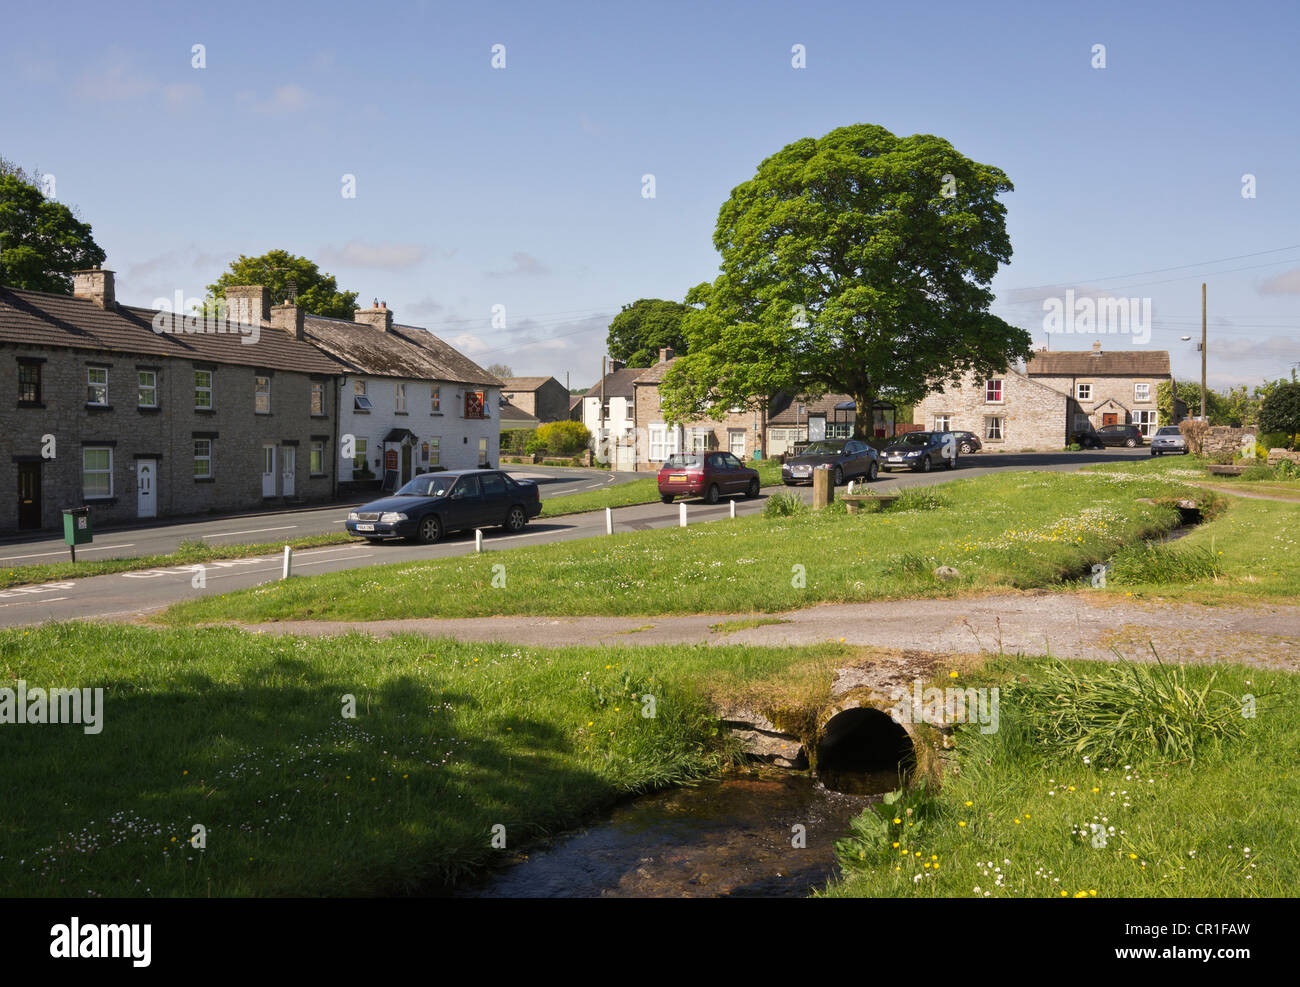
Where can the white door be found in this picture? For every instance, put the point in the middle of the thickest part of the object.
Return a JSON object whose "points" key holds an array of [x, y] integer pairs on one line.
{"points": [[736, 444], [288, 457], [268, 471], [146, 488]]}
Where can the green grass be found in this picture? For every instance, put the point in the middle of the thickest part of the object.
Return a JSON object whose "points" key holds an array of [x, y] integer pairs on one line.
{"points": [[244, 734], [633, 492], [190, 552], [730, 626], [1016, 818]]}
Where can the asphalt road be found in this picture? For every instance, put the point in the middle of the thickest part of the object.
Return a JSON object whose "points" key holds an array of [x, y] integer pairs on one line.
{"points": [[163, 538], [121, 594]]}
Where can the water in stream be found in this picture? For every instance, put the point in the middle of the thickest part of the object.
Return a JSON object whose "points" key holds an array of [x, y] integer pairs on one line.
{"points": [[730, 836]]}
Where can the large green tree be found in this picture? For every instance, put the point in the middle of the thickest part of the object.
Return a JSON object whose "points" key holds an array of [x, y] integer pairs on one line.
{"points": [[641, 329], [1218, 411], [41, 241], [1280, 410], [318, 292], [858, 263]]}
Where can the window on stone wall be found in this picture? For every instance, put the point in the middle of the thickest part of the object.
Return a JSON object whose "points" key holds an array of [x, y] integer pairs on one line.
{"points": [[262, 395], [993, 391], [317, 397], [29, 382], [1083, 392], [96, 472], [1141, 392], [97, 386], [202, 459], [1145, 420], [993, 428], [943, 423]]}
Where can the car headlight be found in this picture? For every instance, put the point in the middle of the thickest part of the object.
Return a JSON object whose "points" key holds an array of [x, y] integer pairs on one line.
{"points": [[353, 516], [914, 452], [391, 517]]}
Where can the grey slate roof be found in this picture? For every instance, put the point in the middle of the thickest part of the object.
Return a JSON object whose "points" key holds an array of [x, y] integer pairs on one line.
{"points": [[406, 351], [1089, 363], [40, 319], [618, 384]]}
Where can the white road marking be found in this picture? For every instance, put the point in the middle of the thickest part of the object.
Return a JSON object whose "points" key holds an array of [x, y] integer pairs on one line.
{"points": [[92, 548], [53, 599], [251, 531]]}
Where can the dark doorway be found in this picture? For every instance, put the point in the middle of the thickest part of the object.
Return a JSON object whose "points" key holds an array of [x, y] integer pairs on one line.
{"points": [[406, 463], [29, 495]]}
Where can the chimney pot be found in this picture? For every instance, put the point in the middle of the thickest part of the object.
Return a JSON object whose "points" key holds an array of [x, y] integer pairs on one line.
{"points": [[666, 354], [380, 318], [95, 285]]}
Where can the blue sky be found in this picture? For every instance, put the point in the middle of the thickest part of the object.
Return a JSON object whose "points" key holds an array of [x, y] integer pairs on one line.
{"points": [[522, 186]]}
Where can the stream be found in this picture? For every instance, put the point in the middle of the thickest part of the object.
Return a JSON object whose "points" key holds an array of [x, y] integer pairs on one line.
{"points": [[724, 837]]}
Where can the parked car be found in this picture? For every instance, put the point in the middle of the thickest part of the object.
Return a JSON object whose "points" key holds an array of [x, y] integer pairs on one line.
{"points": [[1088, 439], [845, 458], [921, 451], [968, 442], [705, 474], [1169, 439], [435, 503], [1121, 435]]}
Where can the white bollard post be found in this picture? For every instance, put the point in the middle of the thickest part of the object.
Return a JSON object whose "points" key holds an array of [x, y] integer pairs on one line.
{"points": [[681, 514], [609, 521], [733, 509], [288, 563], [478, 539]]}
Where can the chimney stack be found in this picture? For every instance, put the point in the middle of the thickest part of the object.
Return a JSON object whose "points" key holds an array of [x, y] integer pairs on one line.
{"points": [[248, 304], [666, 354], [96, 285], [380, 316], [290, 319]]}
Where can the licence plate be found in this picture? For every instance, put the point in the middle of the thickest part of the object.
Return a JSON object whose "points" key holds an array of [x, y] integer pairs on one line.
{"points": [[895, 459], [679, 478], [365, 527]]}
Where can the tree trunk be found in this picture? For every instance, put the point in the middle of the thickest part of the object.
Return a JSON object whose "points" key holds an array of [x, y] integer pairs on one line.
{"points": [[864, 416]]}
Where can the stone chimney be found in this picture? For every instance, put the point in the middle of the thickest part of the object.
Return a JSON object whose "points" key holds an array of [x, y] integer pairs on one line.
{"points": [[380, 316], [289, 318], [1096, 346], [248, 304], [96, 285], [615, 365], [666, 354]]}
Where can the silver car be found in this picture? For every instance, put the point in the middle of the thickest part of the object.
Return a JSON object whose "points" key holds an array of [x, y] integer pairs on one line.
{"points": [[1168, 439]]}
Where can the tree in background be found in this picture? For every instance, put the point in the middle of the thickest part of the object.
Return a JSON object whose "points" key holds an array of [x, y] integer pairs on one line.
{"points": [[317, 292], [1189, 392], [562, 438], [1280, 410], [642, 329], [858, 263], [41, 241], [501, 371]]}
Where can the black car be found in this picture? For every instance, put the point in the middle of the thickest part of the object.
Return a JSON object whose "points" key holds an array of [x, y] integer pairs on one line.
{"points": [[434, 503], [1121, 435], [921, 451], [968, 442], [845, 458], [1087, 440]]}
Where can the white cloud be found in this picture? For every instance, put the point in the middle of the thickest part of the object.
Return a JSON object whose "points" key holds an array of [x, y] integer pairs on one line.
{"points": [[388, 256], [288, 98], [114, 78], [525, 264], [1286, 283]]}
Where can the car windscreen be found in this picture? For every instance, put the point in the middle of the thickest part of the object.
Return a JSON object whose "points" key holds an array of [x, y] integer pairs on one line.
{"points": [[915, 439], [824, 448], [679, 460], [1170, 431], [427, 486]]}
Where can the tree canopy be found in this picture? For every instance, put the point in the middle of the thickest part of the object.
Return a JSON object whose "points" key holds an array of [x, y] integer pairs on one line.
{"points": [[41, 241], [501, 371], [317, 291], [1280, 410], [642, 329], [856, 263]]}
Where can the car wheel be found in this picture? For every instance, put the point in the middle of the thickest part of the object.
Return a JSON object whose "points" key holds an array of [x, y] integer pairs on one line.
{"points": [[1154, 453], [926, 465], [752, 492], [711, 496], [666, 498], [1130, 443], [838, 478], [430, 530], [516, 519], [967, 448], [873, 471]]}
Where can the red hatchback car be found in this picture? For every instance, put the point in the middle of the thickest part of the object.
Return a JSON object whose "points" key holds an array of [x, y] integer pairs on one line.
{"points": [[705, 474]]}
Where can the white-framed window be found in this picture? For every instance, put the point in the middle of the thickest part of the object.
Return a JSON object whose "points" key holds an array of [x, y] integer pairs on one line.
{"points": [[1082, 423], [1083, 392], [317, 397], [435, 400], [262, 395], [203, 389], [993, 391], [399, 397], [736, 443], [943, 423], [699, 439], [359, 400], [202, 459], [839, 430], [993, 427], [1145, 420], [146, 388], [435, 449], [317, 461], [482, 450], [358, 457], [96, 472], [663, 442], [1141, 392], [97, 386]]}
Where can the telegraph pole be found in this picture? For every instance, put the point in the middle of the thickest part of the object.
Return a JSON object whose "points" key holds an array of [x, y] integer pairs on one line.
{"points": [[1203, 418]]}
